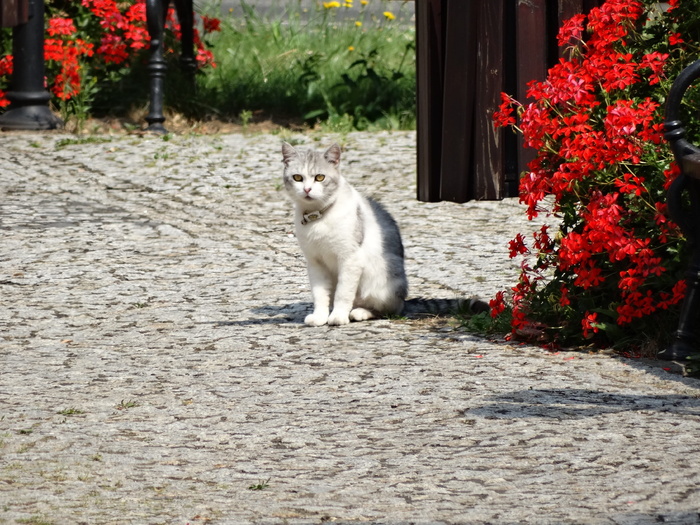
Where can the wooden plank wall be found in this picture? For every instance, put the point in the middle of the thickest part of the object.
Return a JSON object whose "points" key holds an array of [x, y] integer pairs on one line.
{"points": [[468, 52], [13, 12]]}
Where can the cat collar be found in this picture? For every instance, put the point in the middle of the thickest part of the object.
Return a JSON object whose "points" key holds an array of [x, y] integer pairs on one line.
{"points": [[314, 215]]}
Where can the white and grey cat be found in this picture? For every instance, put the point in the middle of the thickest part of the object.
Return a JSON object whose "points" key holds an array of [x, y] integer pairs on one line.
{"points": [[352, 245]]}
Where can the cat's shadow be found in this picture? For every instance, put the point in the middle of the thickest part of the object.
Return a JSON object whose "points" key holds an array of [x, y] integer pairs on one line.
{"points": [[293, 313]]}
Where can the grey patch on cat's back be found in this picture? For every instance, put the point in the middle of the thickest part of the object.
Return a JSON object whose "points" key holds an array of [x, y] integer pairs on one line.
{"points": [[391, 236], [392, 246]]}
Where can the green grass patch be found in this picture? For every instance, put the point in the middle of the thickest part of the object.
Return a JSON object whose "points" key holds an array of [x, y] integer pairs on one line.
{"points": [[483, 324], [355, 71]]}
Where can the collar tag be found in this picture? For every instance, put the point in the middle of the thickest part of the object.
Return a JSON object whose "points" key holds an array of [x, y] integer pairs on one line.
{"points": [[311, 217]]}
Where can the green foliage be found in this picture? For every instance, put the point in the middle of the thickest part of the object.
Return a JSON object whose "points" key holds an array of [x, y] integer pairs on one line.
{"points": [[484, 324], [352, 72]]}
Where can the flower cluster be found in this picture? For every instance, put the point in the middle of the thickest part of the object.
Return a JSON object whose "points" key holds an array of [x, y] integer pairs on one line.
{"points": [[65, 50], [388, 15], [97, 38], [346, 3], [612, 271]]}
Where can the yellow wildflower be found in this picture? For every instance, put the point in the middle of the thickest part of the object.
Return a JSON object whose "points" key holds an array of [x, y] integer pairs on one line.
{"points": [[329, 5], [351, 48], [364, 2], [389, 15], [358, 24]]}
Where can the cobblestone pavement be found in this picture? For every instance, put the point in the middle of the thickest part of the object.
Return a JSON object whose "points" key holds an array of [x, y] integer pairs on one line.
{"points": [[155, 368]]}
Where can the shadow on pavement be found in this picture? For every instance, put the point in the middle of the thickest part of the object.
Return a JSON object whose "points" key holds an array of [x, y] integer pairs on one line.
{"points": [[579, 403]]}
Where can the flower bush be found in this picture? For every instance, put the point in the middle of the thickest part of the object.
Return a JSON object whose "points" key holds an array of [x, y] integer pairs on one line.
{"points": [[612, 273], [96, 42]]}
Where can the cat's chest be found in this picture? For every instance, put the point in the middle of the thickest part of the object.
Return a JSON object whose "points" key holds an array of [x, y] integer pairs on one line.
{"points": [[332, 234]]}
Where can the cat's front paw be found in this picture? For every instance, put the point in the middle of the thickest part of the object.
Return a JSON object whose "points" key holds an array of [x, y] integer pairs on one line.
{"points": [[316, 319], [361, 314], [338, 318]]}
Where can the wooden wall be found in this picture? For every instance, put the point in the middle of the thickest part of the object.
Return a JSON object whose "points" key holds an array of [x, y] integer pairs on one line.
{"points": [[468, 52], [13, 12]]}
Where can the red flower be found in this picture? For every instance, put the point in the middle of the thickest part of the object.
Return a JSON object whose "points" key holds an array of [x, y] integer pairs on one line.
{"points": [[564, 299], [5, 65], [60, 26], [497, 305], [113, 49], [517, 246], [211, 25], [504, 115], [572, 30], [675, 39], [589, 323], [654, 61]]}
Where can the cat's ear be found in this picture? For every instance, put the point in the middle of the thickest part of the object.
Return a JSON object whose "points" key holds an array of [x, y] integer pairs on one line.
{"points": [[288, 153], [332, 155]]}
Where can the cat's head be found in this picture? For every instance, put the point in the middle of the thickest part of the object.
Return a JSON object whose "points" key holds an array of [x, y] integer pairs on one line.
{"points": [[311, 178]]}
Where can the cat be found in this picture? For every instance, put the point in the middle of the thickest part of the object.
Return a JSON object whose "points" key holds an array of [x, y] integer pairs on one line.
{"points": [[352, 245]]}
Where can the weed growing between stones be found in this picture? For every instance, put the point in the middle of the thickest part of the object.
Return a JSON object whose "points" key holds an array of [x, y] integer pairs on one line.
{"points": [[261, 485], [125, 405]]}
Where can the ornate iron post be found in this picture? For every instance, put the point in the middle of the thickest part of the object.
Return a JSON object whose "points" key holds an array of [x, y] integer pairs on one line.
{"points": [[156, 11], [29, 100], [686, 340]]}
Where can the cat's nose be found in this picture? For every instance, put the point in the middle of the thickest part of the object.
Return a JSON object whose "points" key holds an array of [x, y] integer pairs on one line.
{"points": [[307, 190]]}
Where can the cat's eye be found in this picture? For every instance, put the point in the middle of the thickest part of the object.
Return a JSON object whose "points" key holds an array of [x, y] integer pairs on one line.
{"points": [[297, 178], [320, 177]]}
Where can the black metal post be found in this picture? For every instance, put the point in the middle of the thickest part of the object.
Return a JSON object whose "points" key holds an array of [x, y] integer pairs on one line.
{"points": [[156, 11], [29, 101], [686, 341], [185, 15]]}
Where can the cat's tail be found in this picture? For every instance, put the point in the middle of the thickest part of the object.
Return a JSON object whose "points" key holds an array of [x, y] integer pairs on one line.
{"points": [[422, 307]]}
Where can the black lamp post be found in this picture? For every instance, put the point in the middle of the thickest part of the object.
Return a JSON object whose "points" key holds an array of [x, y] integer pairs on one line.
{"points": [[156, 11], [29, 100], [686, 340]]}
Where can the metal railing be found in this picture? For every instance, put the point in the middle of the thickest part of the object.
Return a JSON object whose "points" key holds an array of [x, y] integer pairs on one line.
{"points": [[29, 100], [684, 207]]}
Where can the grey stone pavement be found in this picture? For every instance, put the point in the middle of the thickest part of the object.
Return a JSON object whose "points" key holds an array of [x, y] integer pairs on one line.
{"points": [[155, 368]]}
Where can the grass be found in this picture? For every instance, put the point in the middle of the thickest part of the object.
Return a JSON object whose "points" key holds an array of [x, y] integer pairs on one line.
{"points": [[62, 143], [483, 324], [71, 412], [35, 520], [125, 405], [261, 485], [351, 72]]}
